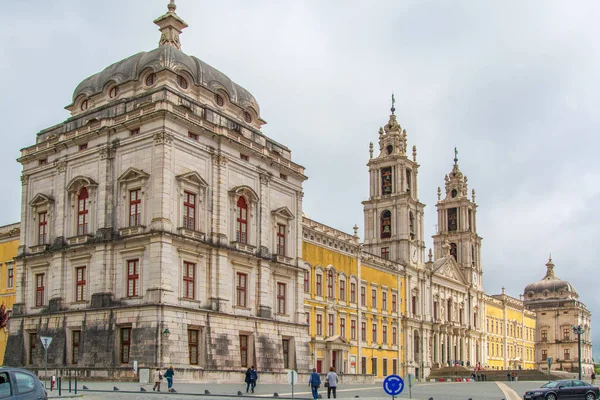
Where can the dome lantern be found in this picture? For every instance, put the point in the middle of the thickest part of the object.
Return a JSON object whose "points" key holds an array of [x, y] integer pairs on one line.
{"points": [[170, 25]]}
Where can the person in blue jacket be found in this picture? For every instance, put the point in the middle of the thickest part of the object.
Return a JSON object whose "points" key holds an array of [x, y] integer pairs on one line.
{"points": [[253, 378], [315, 382]]}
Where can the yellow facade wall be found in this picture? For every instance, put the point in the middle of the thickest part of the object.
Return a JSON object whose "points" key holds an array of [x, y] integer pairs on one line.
{"points": [[9, 244]]}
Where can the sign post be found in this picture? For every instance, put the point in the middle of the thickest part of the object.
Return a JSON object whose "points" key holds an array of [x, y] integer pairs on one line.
{"points": [[393, 385], [549, 359], [46, 340], [292, 377]]}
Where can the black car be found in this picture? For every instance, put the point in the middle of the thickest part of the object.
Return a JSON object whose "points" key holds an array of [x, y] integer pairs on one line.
{"points": [[20, 384], [567, 389]]}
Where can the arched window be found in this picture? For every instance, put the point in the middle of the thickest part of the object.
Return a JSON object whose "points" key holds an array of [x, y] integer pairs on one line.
{"points": [[82, 212], [242, 221], [453, 251], [386, 224]]}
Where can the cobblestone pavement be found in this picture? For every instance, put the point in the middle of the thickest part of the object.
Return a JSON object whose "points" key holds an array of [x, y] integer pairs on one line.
{"points": [[423, 391]]}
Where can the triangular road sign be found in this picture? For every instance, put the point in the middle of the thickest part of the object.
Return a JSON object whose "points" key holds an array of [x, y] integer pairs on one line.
{"points": [[46, 340]]}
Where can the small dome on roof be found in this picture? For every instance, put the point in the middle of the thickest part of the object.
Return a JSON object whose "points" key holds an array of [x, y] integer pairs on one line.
{"points": [[550, 286]]}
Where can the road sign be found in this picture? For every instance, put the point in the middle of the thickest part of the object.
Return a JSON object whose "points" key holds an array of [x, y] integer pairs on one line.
{"points": [[393, 385], [46, 340], [292, 377]]}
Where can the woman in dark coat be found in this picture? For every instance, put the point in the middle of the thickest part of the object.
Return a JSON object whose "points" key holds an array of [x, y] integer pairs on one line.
{"points": [[248, 379]]}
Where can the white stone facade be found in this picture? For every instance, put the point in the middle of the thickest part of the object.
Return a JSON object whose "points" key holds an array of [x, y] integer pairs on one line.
{"points": [[160, 207]]}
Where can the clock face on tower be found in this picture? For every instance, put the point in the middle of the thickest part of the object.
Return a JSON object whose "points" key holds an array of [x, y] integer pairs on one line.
{"points": [[413, 254]]}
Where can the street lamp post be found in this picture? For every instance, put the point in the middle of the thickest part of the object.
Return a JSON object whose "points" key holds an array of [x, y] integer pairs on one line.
{"points": [[578, 330]]}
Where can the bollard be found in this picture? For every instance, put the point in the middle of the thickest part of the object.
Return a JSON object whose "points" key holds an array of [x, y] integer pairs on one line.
{"points": [[142, 390], [59, 385], [206, 391], [240, 393], [76, 385], [275, 394], [69, 382]]}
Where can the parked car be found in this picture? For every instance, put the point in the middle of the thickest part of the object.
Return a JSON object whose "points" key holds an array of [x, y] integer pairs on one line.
{"points": [[565, 389], [20, 384]]}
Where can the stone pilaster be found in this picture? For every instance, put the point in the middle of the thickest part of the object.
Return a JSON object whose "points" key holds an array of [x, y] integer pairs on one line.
{"points": [[163, 216]]}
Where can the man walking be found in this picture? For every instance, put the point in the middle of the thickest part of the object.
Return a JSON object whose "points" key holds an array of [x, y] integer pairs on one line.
{"points": [[314, 382], [253, 377]]}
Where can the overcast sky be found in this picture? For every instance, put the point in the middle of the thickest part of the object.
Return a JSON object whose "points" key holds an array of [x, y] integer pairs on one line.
{"points": [[512, 84]]}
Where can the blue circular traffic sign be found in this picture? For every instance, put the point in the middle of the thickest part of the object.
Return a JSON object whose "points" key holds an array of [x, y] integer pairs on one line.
{"points": [[393, 385]]}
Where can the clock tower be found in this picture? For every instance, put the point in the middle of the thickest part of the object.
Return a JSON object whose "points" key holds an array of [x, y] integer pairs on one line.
{"points": [[393, 213], [457, 225]]}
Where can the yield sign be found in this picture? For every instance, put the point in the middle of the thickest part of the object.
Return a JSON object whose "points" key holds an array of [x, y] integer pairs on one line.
{"points": [[46, 340]]}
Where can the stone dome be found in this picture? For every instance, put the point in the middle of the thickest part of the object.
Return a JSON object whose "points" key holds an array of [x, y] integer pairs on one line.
{"points": [[168, 56], [550, 286]]}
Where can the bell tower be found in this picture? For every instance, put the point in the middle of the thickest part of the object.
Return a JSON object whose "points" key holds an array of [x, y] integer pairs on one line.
{"points": [[457, 225], [393, 213]]}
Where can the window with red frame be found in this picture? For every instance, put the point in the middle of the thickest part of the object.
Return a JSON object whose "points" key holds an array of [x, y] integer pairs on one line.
{"points": [[241, 231], [280, 239], [241, 285], [330, 319], [567, 354], [42, 227], [135, 207], [342, 290], [384, 301], [330, 284], [133, 278], [189, 280], [343, 327], [374, 298], [75, 341], [82, 212], [10, 282], [363, 331], [394, 335], [363, 296], [189, 211], [80, 284], [385, 253], [193, 136], [281, 289], [39, 290], [319, 285], [384, 334], [125, 345], [244, 350], [353, 329], [374, 334], [319, 324], [306, 281], [394, 302]]}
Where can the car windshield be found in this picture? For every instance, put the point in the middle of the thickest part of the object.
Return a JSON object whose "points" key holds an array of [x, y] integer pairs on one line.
{"points": [[552, 384]]}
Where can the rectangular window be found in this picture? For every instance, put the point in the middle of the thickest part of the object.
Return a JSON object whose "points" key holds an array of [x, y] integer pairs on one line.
{"points": [[244, 350], [133, 278], [192, 136], [386, 181], [241, 285], [374, 366], [43, 161], [10, 282], [374, 298], [544, 355], [395, 366], [42, 227], [452, 219], [384, 334], [353, 329], [244, 157], [363, 331], [241, 223], [384, 301], [82, 213], [385, 253], [75, 341], [363, 365], [352, 292], [330, 320], [567, 353], [306, 281], [134, 132], [319, 324], [79, 284], [125, 345], [189, 211], [319, 285], [280, 240], [343, 327], [385, 366], [286, 353], [363, 297], [283, 176], [394, 302], [330, 284], [394, 335], [193, 336], [189, 280], [342, 290], [281, 288], [374, 334], [566, 333], [32, 344], [544, 335], [83, 146], [135, 207], [39, 290], [414, 305]]}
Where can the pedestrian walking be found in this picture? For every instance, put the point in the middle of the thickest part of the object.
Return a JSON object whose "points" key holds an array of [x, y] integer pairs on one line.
{"points": [[253, 378], [169, 376], [314, 383], [157, 378], [331, 381], [593, 377], [248, 379]]}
